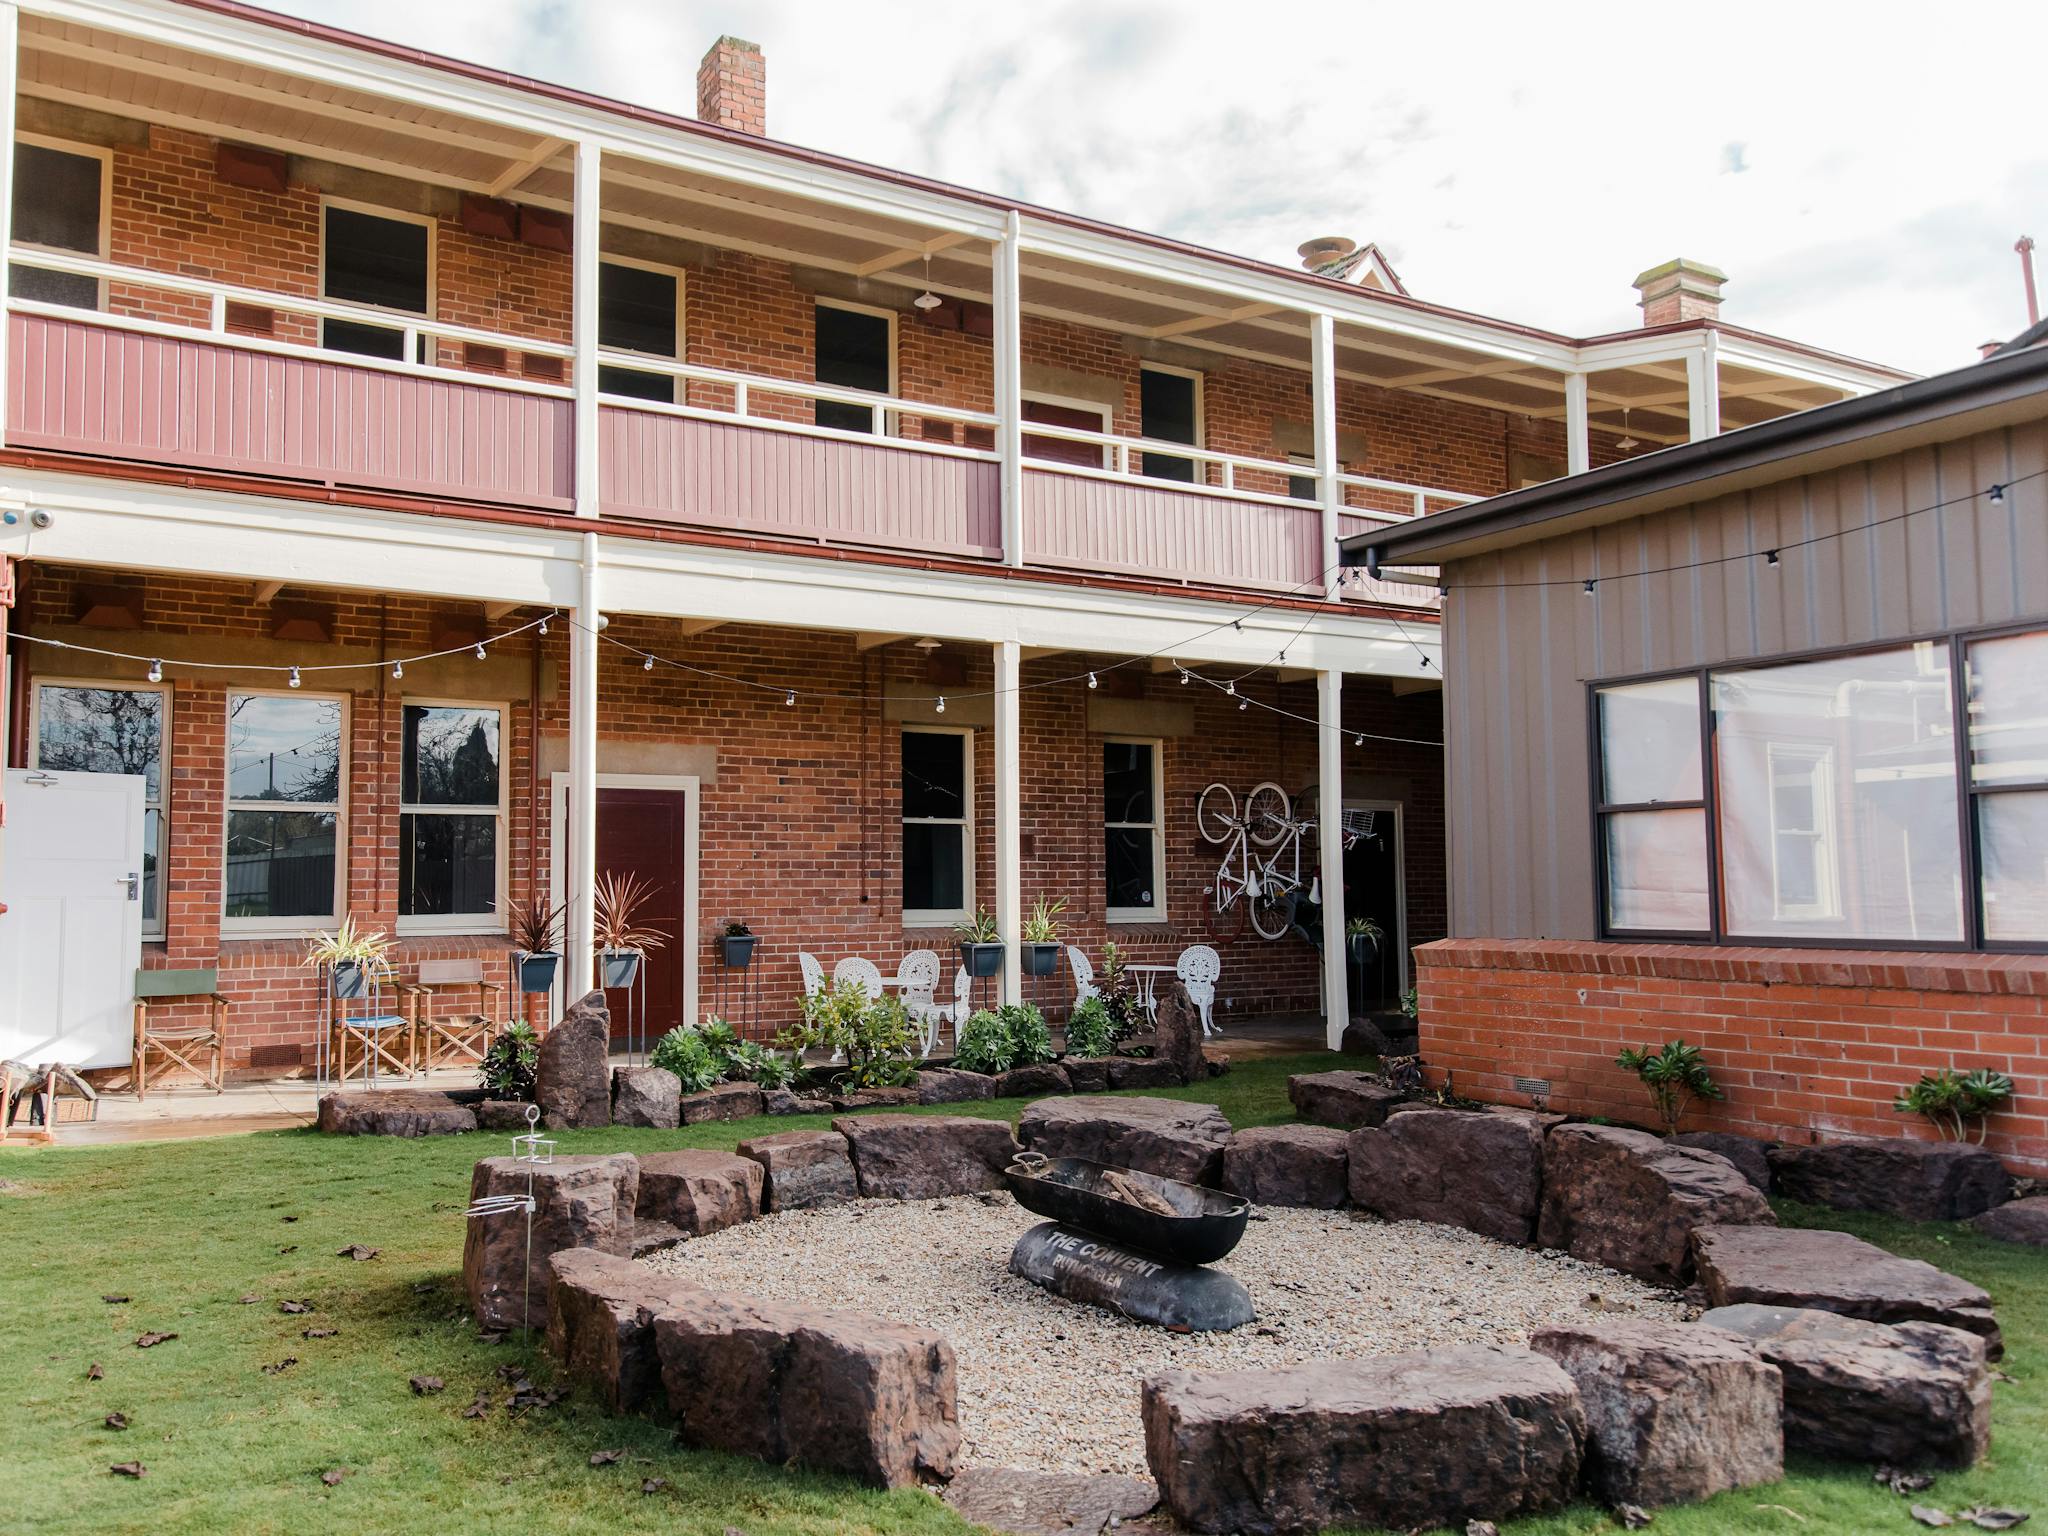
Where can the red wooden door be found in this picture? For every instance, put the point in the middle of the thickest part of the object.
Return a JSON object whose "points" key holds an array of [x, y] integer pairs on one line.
{"points": [[645, 832]]}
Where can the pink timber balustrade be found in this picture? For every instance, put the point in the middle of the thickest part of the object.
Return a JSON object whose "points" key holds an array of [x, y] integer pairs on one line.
{"points": [[1081, 522], [746, 478], [86, 388]]}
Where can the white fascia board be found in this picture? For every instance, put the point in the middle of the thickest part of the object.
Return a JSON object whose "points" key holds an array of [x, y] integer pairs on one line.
{"points": [[173, 531], [1742, 352], [1636, 351]]}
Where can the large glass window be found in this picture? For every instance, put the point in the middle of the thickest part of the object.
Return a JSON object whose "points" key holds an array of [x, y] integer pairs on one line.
{"points": [[2008, 724], [938, 842], [853, 352], [87, 729], [1132, 850], [59, 205], [376, 259], [638, 310], [284, 809], [1170, 411], [1836, 797], [450, 816], [1653, 819]]}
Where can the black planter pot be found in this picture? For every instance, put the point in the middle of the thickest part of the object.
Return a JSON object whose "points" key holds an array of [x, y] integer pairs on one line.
{"points": [[620, 967], [1363, 950], [737, 949], [537, 970], [1041, 959], [982, 960], [349, 978]]}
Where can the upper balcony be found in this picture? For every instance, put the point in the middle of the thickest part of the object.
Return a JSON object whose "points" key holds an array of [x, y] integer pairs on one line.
{"points": [[278, 253]]}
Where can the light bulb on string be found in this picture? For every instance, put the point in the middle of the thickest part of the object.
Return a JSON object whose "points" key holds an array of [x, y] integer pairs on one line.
{"points": [[479, 650], [1998, 495], [1186, 677], [1358, 741], [1231, 688], [1771, 558], [1243, 705], [293, 680], [647, 664], [942, 704], [1091, 679], [789, 699], [543, 626], [397, 670], [156, 671], [1589, 586]]}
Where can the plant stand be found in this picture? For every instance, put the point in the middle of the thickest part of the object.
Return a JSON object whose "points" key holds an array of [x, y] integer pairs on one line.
{"points": [[736, 995], [636, 1016]]}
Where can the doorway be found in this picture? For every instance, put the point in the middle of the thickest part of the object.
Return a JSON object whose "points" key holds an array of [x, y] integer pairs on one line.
{"points": [[646, 826], [1373, 888]]}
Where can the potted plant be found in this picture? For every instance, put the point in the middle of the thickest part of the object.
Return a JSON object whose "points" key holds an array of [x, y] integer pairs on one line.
{"points": [[1362, 934], [349, 954], [981, 944], [1041, 937], [736, 944], [621, 943], [536, 945]]}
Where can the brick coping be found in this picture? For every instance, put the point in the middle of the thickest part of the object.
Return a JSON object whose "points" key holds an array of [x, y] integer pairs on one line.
{"points": [[2024, 975]]}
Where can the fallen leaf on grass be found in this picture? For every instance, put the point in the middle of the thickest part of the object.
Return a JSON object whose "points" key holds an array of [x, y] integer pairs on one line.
{"points": [[1633, 1517], [295, 1307], [287, 1218], [653, 1484], [282, 1366], [606, 1458], [94, 1372], [490, 1336], [1927, 1516], [129, 1469], [1903, 1482], [318, 1333], [422, 1385], [289, 1248], [480, 1408], [151, 1340], [333, 1475], [527, 1397], [117, 1421], [1988, 1519], [112, 1300], [511, 1371], [250, 1299], [356, 1251]]}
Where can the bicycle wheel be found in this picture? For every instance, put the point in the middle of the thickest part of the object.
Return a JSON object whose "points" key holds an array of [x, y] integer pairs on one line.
{"points": [[1216, 813], [1266, 813], [1272, 910], [1226, 905]]}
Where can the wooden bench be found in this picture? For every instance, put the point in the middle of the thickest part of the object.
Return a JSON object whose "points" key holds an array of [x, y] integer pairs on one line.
{"points": [[181, 1042], [459, 1036]]}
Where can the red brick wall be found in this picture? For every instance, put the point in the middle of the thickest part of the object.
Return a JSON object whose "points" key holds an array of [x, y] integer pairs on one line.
{"points": [[799, 834], [1809, 1045]]}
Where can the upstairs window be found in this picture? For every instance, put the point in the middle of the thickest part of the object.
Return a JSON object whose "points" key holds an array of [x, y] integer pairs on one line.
{"points": [[855, 350], [1170, 406], [451, 817], [938, 826], [639, 309], [382, 260], [60, 204]]}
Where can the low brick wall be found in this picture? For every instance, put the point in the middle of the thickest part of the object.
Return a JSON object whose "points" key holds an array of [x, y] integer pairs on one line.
{"points": [[1809, 1045]]}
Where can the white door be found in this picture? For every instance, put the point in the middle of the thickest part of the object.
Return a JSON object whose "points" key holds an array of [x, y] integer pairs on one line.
{"points": [[71, 937]]}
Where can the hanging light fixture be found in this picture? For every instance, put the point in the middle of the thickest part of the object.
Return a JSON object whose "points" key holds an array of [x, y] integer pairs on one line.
{"points": [[942, 704], [479, 650], [1626, 443], [647, 665], [789, 699], [543, 626], [1998, 495], [1091, 680], [156, 671], [927, 301], [397, 670], [293, 680]]}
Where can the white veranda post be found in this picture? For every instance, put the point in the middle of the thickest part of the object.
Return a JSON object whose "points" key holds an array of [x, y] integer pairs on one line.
{"points": [[1330, 832], [580, 868], [1009, 818]]}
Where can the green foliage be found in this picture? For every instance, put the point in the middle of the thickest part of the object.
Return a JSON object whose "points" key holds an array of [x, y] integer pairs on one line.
{"points": [[875, 1036], [1952, 1100], [683, 1051], [1675, 1076], [1042, 923], [1091, 1030], [1014, 1035], [713, 1053], [978, 929], [1365, 928], [510, 1063], [1411, 1004], [766, 1068], [1127, 1015]]}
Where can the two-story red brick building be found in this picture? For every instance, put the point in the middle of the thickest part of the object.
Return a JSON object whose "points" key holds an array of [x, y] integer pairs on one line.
{"points": [[439, 487]]}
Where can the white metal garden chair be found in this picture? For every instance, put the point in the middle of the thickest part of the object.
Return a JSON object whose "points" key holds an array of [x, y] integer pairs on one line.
{"points": [[814, 973], [1084, 975], [961, 1009], [862, 972], [917, 983], [1198, 968]]}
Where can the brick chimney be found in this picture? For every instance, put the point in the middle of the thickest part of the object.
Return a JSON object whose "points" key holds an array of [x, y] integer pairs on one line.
{"points": [[1681, 290], [732, 86]]}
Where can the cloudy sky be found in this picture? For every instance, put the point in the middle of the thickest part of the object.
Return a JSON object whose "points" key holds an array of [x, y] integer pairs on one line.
{"points": [[1860, 179]]}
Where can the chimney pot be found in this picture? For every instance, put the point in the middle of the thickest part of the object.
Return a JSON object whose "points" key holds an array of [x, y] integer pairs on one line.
{"points": [[1680, 290], [732, 87], [1324, 249]]}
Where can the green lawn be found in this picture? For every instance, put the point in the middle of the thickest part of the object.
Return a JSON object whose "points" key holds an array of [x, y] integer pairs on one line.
{"points": [[186, 1229]]}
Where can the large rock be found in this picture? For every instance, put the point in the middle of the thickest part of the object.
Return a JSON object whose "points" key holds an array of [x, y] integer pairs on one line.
{"points": [[1402, 1441], [646, 1096], [1919, 1180], [1034, 1081], [832, 1390], [699, 1191], [601, 1323], [922, 1157], [394, 1112], [781, 1101], [1461, 1168], [728, 1101], [1177, 1035], [502, 1115], [1162, 1136], [1835, 1272], [875, 1098], [1749, 1155], [1630, 1200], [579, 1202], [1144, 1072], [1383, 1036], [573, 1083], [1288, 1165], [802, 1169], [1674, 1412], [2018, 1221], [944, 1085], [1016, 1502], [1347, 1100], [1088, 1074], [1907, 1395]]}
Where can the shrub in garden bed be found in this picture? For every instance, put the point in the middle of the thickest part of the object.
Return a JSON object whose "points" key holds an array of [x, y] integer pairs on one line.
{"points": [[996, 1040], [873, 1034], [705, 1055]]}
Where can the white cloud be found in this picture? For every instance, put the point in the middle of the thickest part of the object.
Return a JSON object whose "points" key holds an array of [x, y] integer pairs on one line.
{"points": [[1860, 174]]}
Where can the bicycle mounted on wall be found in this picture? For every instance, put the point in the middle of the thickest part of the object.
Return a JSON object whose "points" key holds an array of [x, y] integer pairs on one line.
{"points": [[1260, 875]]}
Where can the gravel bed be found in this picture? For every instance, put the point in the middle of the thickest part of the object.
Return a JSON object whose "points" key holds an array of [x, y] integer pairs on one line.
{"points": [[1053, 1385]]}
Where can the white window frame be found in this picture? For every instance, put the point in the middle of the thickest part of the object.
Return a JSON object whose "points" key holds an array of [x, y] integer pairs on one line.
{"points": [[105, 156], [1156, 913], [153, 927], [399, 216], [819, 301], [1817, 764], [258, 927], [496, 920], [1069, 403], [606, 259], [940, 917], [1201, 401]]}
